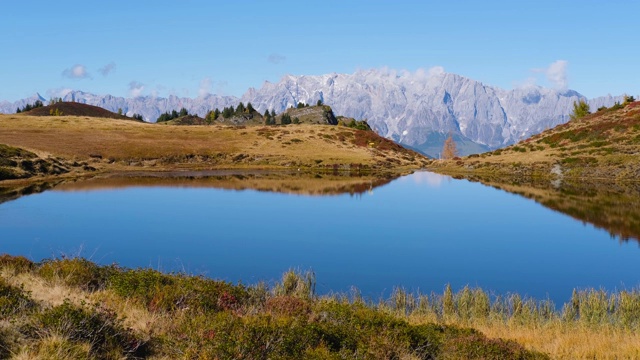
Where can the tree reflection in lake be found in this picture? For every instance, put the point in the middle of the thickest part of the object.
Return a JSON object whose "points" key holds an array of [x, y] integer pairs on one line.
{"points": [[302, 183], [612, 206]]}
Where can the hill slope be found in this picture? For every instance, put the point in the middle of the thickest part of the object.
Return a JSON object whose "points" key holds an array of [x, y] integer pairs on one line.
{"points": [[604, 145], [113, 145], [75, 109]]}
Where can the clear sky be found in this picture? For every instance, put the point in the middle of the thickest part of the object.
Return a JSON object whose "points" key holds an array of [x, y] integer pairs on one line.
{"points": [[190, 47]]}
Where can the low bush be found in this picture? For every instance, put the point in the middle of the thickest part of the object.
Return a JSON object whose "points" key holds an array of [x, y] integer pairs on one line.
{"points": [[13, 300], [98, 327], [18, 264], [477, 346], [168, 292], [76, 272]]}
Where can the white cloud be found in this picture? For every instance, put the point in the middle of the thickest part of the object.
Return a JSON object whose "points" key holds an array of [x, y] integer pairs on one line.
{"points": [[436, 70], [430, 179], [526, 84], [135, 89], [557, 74], [105, 70], [205, 87], [77, 71], [276, 58], [58, 93], [422, 74]]}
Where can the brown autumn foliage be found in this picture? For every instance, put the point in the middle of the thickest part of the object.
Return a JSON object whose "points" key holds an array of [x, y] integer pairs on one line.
{"points": [[449, 150]]}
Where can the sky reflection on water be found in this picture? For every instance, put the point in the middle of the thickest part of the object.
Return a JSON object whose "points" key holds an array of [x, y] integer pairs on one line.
{"points": [[421, 231]]}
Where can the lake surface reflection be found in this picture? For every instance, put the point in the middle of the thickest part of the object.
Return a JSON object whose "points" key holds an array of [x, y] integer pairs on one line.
{"points": [[420, 231]]}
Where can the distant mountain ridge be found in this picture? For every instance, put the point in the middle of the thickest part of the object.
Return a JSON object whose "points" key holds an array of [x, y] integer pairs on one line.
{"points": [[416, 109]]}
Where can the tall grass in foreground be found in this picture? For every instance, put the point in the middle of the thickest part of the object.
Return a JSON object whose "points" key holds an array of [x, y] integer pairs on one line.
{"points": [[72, 308], [588, 307]]}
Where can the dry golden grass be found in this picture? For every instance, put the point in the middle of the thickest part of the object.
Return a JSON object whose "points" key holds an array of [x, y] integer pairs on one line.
{"points": [[53, 293], [113, 144], [559, 339], [564, 341], [55, 347]]}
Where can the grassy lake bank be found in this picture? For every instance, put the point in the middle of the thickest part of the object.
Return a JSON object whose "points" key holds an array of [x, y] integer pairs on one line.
{"points": [[72, 308]]}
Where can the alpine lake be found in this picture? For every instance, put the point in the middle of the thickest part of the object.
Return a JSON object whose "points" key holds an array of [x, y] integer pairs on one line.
{"points": [[359, 233]]}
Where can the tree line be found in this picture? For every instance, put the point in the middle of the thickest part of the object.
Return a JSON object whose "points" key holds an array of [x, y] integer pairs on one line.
{"points": [[172, 115], [27, 107]]}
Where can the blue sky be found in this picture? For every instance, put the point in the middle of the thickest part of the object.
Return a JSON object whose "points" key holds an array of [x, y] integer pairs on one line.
{"points": [[190, 47]]}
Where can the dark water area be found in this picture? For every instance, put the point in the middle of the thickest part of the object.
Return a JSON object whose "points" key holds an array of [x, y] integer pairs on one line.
{"points": [[420, 231]]}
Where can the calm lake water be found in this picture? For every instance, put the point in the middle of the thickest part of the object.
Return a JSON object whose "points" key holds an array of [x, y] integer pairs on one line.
{"points": [[420, 231]]}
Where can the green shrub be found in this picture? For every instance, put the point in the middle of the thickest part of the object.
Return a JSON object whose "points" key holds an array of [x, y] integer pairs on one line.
{"points": [[13, 300], [5, 348], [7, 174], [19, 264], [98, 327], [477, 346], [76, 272], [167, 292]]}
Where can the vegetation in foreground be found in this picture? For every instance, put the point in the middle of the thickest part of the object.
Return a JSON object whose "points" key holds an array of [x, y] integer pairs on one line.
{"points": [[74, 309], [602, 145]]}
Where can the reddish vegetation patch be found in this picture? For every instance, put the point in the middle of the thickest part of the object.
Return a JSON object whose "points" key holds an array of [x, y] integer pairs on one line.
{"points": [[288, 305], [75, 109], [370, 139], [634, 105]]}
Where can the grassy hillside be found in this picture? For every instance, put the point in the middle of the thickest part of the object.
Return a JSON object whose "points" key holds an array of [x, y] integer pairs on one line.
{"points": [[603, 145], [111, 145]]}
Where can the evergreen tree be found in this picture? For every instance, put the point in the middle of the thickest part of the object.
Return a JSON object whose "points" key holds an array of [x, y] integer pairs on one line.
{"points": [[240, 109], [183, 112], [250, 108], [273, 113], [449, 150], [300, 105], [285, 119], [319, 103]]}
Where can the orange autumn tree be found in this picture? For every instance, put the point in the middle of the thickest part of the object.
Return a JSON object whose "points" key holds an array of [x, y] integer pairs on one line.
{"points": [[449, 150]]}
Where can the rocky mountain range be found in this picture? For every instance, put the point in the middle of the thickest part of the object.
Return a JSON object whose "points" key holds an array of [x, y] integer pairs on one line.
{"points": [[415, 109]]}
